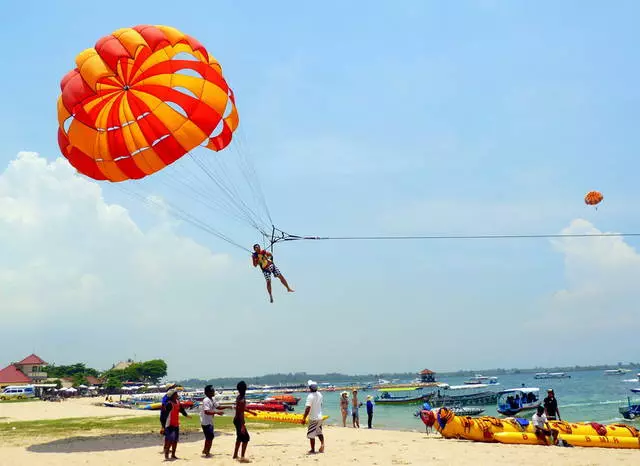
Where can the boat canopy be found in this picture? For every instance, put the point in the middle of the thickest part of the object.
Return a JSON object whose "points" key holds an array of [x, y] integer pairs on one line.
{"points": [[467, 386], [523, 389]]}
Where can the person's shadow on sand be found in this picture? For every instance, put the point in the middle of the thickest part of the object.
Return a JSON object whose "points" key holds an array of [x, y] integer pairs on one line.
{"points": [[110, 442]]}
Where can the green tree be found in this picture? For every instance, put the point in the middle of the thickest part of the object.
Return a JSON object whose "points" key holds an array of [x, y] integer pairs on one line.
{"points": [[153, 370]]}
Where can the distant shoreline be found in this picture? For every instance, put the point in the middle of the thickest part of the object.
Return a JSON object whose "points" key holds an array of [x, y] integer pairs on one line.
{"points": [[300, 378]]}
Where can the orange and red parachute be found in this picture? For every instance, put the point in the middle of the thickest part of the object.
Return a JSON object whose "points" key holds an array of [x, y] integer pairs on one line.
{"points": [[117, 112], [593, 198]]}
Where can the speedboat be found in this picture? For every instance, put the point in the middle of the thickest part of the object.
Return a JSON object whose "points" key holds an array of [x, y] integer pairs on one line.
{"points": [[515, 400], [551, 375]]}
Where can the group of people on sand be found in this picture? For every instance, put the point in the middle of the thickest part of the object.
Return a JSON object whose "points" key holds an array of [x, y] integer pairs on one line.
{"points": [[355, 406], [171, 410]]}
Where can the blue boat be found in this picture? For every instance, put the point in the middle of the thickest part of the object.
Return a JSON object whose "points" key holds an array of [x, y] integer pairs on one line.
{"points": [[516, 400], [632, 410]]}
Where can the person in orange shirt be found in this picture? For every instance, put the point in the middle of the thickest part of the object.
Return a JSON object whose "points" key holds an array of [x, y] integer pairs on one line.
{"points": [[264, 259], [172, 424]]}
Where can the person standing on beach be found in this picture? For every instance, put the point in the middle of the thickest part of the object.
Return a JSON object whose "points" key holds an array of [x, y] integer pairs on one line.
{"points": [[313, 409], [551, 406], [173, 410], [344, 407], [208, 409], [242, 435], [355, 405], [369, 410]]}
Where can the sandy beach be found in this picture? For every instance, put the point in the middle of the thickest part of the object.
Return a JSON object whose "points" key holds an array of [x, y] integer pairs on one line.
{"points": [[271, 447]]}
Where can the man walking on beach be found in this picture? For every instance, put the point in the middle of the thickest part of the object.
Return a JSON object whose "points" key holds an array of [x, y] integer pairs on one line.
{"points": [[313, 409], [207, 411], [551, 406]]}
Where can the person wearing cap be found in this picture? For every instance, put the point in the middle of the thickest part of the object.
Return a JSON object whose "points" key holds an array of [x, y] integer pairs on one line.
{"points": [[369, 410], [264, 259], [344, 407], [172, 424], [313, 409], [551, 406]]}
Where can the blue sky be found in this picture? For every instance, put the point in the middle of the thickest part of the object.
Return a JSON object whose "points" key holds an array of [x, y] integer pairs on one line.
{"points": [[398, 118]]}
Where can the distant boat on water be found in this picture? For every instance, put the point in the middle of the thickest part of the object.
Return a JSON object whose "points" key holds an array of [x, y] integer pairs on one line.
{"points": [[481, 379], [617, 371], [551, 375]]}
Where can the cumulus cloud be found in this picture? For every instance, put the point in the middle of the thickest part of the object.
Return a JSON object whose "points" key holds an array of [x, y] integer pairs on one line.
{"points": [[599, 300], [81, 280]]}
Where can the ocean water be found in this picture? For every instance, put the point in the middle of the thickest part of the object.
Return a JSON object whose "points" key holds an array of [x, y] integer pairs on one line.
{"points": [[586, 396]]}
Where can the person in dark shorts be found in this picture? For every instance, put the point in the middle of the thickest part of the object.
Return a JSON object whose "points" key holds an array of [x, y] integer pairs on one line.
{"points": [[551, 406], [264, 259], [172, 425], [242, 435], [208, 409]]}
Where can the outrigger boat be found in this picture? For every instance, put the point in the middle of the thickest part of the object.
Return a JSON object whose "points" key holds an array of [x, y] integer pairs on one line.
{"points": [[515, 400], [386, 396]]}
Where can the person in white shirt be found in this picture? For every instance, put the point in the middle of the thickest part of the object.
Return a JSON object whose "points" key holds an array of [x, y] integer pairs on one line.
{"points": [[313, 409], [540, 424], [208, 409]]}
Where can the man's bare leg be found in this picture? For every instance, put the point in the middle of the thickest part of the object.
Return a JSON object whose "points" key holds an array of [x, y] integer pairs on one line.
{"points": [[286, 285], [269, 290]]}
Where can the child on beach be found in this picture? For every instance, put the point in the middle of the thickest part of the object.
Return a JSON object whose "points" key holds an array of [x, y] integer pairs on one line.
{"points": [[242, 436], [172, 424], [207, 411]]}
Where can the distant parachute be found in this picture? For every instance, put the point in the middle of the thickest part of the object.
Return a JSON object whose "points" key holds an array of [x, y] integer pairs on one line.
{"points": [[593, 198]]}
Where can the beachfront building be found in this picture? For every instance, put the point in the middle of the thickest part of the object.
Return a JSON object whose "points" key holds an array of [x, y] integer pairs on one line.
{"points": [[26, 372], [122, 365], [427, 376]]}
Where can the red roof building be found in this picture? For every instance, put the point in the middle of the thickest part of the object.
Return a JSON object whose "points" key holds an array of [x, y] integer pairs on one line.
{"points": [[11, 375], [29, 370], [427, 376], [32, 360]]}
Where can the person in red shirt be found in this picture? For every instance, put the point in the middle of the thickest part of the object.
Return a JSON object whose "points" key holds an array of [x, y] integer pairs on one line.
{"points": [[265, 260], [173, 409]]}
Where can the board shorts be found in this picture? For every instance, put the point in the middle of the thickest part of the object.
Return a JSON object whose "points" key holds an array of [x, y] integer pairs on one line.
{"points": [[241, 436], [172, 434], [208, 431], [355, 413], [270, 269], [315, 429]]}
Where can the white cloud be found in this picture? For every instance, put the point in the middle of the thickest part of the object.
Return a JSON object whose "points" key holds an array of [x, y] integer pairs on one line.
{"points": [[594, 318], [81, 281]]}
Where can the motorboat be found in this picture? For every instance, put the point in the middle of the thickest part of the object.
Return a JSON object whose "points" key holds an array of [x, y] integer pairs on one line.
{"points": [[516, 400], [478, 379], [552, 375], [632, 409]]}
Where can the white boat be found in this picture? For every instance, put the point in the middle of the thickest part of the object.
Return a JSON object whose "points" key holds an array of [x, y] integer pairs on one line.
{"points": [[515, 400], [617, 371], [551, 375], [481, 379]]}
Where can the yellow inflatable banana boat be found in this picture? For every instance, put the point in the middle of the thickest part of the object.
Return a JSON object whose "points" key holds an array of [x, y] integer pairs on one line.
{"points": [[273, 416], [601, 441], [484, 429]]}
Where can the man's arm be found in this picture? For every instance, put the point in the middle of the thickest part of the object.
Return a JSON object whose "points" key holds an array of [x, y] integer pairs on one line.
{"points": [[306, 413]]}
